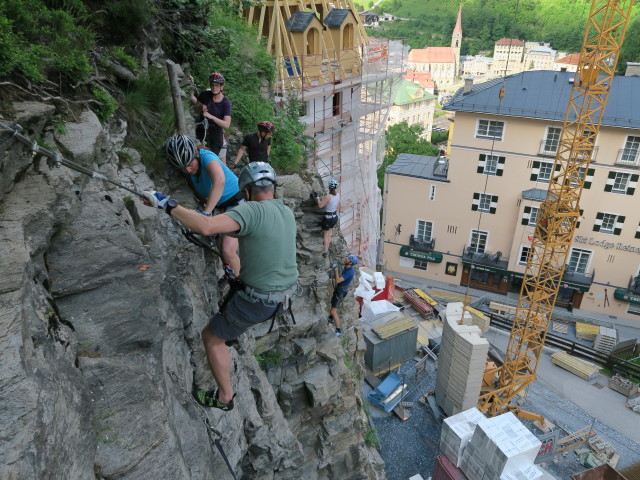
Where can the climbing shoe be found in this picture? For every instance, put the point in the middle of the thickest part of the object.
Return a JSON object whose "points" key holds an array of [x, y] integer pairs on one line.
{"points": [[209, 398], [330, 319], [339, 332], [325, 254]]}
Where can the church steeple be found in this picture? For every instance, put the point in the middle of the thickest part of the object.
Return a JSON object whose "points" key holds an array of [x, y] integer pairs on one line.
{"points": [[456, 39]]}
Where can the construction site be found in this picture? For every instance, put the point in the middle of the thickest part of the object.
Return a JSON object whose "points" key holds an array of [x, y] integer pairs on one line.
{"points": [[453, 394], [346, 83]]}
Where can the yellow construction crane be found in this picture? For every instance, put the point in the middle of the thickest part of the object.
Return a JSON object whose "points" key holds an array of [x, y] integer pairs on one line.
{"points": [[554, 231]]}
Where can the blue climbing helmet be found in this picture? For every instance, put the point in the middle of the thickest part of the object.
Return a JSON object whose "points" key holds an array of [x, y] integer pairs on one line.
{"points": [[353, 259]]}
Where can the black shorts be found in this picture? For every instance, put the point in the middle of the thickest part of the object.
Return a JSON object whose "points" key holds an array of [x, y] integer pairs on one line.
{"points": [[337, 298], [240, 314], [328, 223], [213, 140]]}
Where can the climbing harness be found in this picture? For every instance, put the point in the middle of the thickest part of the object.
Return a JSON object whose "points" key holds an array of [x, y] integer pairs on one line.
{"points": [[214, 435]]}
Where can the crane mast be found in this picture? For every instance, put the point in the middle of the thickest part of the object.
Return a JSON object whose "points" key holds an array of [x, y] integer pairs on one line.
{"points": [[560, 210]]}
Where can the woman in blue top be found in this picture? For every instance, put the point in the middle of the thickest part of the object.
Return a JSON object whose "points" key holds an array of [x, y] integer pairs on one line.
{"points": [[212, 182]]}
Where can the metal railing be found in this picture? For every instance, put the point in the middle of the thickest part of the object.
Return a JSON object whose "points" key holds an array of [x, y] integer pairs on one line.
{"points": [[547, 149], [422, 245], [627, 156], [580, 278], [490, 259]]}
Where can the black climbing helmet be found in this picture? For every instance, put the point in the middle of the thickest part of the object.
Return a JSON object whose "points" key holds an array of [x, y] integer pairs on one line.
{"points": [[266, 127], [256, 173], [216, 77], [180, 150]]}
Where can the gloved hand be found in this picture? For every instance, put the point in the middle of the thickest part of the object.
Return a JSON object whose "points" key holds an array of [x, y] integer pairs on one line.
{"points": [[203, 213], [334, 266], [155, 199]]}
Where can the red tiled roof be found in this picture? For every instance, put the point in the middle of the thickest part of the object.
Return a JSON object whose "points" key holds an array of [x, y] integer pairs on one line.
{"points": [[432, 55], [570, 59], [510, 41], [421, 78]]}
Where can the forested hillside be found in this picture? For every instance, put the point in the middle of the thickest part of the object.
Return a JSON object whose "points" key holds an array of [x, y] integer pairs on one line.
{"points": [[560, 22]]}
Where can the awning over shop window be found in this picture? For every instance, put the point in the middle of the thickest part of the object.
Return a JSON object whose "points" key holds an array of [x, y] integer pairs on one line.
{"points": [[626, 296], [485, 268], [574, 286], [407, 251]]}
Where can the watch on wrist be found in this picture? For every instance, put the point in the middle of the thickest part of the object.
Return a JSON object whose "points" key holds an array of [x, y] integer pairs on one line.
{"points": [[171, 204]]}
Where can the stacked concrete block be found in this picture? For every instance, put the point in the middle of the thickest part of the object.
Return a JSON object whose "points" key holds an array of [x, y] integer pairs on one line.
{"points": [[456, 432], [529, 473], [606, 340], [499, 446], [461, 361]]}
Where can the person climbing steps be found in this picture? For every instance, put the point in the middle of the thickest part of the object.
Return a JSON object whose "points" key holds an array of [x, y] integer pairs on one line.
{"points": [[340, 291]]}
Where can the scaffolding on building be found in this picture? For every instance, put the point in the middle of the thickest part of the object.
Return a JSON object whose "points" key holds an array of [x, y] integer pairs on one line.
{"points": [[346, 82]]}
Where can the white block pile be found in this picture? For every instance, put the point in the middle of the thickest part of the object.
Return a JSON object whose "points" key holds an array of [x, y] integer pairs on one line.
{"points": [[606, 340], [461, 362], [529, 473], [456, 433], [499, 446]]}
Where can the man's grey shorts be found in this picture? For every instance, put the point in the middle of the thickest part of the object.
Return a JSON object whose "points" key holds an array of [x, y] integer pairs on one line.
{"points": [[240, 314]]}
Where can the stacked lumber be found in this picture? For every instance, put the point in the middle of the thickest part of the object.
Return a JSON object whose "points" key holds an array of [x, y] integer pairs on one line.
{"points": [[560, 327], [418, 303], [578, 367], [606, 340], [585, 331]]}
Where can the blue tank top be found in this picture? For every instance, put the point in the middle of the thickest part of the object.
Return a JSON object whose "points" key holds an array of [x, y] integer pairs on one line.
{"points": [[202, 180]]}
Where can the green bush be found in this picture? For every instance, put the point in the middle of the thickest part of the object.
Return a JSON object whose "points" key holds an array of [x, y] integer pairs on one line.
{"points": [[42, 40], [290, 144], [370, 438], [108, 104], [148, 109]]}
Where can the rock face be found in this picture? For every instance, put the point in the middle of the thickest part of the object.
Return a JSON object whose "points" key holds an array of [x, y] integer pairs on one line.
{"points": [[101, 306]]}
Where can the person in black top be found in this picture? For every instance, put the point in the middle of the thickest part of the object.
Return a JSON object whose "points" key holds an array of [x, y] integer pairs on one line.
{"points": [[215, 111], [258, 144]]}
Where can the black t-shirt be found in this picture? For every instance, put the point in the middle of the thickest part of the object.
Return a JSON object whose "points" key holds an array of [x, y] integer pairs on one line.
{"points": [[256, 149], [219, 109]]}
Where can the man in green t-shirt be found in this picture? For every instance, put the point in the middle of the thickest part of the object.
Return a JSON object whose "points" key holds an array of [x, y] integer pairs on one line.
{"points": [[266, 231]]}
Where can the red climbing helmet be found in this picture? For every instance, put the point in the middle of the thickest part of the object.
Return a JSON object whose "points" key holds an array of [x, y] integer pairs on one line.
{"points": [[266, 127], [216, 78]]}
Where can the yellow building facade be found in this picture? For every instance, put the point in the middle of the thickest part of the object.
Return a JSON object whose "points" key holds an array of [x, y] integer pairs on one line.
{"points": [[469, 219]]}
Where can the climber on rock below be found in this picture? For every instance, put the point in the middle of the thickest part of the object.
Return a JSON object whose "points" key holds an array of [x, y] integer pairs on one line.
{"points": [[340, 292], [330, 204], [211, 181], [266, 230], [257, 144]]}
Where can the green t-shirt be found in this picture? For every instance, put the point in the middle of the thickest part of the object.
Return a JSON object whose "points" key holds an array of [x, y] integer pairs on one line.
{"points": [[267, 239]]}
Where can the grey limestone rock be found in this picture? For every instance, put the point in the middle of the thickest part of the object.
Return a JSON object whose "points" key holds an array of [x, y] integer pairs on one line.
{"points": [[101, 307]]}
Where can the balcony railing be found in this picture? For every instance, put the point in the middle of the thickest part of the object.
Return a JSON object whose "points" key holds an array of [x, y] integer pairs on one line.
{"points": [[634, 284], [490, 259], [627, 156], [422, 245], [579, 278], [547, 150]]}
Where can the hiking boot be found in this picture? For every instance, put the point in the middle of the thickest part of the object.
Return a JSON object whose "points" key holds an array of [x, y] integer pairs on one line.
{"points": [[325, 254], [209, 398], [339, 332], [330, 319]]}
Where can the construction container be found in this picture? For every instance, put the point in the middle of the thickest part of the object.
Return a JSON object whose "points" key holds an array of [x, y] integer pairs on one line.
{"points": [[601, 472], [390, 344], [445, 470]]}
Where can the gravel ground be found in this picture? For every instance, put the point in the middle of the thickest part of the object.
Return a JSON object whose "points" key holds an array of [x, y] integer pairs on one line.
{"points": [[410, 447]]}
